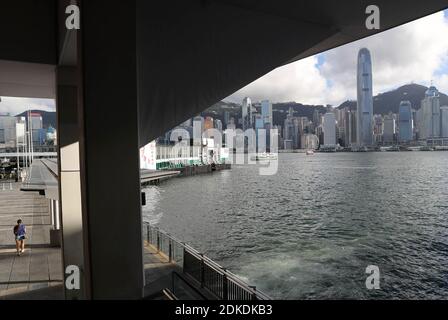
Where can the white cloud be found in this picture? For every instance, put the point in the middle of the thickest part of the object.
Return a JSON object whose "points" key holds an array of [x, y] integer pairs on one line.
{"points": [[413, 52], [299, 81], [15, 106]]}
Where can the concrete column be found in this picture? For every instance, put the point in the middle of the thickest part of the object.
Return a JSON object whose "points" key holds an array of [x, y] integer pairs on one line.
{"points": [[57, 219], [74, 230], [110, 149], [99, 153], [51, 205]]}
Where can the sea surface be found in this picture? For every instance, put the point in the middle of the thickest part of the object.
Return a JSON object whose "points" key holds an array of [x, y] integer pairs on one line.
{"points": [[310, 230]]}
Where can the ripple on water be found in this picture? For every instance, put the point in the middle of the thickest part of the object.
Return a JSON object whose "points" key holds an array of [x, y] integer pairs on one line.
{"points": [[310, 230]]}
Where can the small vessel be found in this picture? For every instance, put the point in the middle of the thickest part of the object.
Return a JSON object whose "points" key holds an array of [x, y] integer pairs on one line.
{"points": [[426, 148], [264, 156], [393, 149], [309, 152]]}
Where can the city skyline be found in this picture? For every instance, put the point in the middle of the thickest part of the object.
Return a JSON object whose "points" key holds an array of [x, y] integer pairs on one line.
{"points": [[416, 52]]}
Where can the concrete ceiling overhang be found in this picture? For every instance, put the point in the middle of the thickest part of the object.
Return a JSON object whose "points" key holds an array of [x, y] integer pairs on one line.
{"points": [[28, 80], [193, 54], [28, 48]]}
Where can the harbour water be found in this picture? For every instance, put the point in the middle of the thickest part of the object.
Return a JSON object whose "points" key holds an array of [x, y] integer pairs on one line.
{"points": [[310, 231]]}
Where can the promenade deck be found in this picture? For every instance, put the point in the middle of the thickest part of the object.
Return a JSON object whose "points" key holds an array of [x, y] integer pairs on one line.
{"points": [[40, 265]]}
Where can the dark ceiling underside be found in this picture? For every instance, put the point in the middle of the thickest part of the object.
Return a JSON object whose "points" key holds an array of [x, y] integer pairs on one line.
{"points": [[196, 53]]}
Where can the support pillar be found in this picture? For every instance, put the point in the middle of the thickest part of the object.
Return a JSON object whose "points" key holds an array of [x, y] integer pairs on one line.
{"points": [[74, 232], [99, 167], [110, 150]]}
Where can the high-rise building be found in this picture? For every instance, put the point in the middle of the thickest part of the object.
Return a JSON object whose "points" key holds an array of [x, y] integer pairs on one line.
{"points": [[198, 128], [231, 124], [444, 121], [389, 129], [208, 123], [377, 128], [428, 116], [405, 124], [7, 130], [288, 129], [365, 100], [316, 118], [259, 123], [226, 118], [266, 111], [329, 124], [218, 125], [297, 132], [35, 123], [309, 141], [246, 113], [350, 127]]}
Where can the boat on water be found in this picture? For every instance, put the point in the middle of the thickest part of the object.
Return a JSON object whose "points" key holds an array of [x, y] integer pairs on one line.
{"points": [[309, 152], [265, 156], [393, 149], [359, 149], [426, 148]]}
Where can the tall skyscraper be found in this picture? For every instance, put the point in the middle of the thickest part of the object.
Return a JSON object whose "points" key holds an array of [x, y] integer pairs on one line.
{"points": [[389, 129], [246, 113], [218, 125], [329, 129], [231, 124], [226, 117], [7, 131], [365, 101], [444, 121], [428, 116], [316, 118], [259, 124], [36, 126], [288, 127], [405, 124], [208, 123], [349, 127], [377, 128], [198, 128], [266, 111]]}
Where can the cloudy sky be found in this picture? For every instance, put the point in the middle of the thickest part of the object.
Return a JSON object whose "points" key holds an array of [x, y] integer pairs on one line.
{"points": [[415, 52], [15, 106]]}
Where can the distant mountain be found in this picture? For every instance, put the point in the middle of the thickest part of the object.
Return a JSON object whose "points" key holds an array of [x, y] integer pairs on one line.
{"points": [[386, 102], [48, 118], [383, 103], [279, 110]]}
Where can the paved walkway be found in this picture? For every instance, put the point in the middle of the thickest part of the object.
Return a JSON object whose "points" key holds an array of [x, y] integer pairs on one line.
{"points": [[158, 271], [40, 266], [37, 274]]}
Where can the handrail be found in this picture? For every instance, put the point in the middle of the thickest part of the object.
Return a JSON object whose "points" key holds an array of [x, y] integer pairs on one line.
{"points": [[171, 296], [206, 261]]}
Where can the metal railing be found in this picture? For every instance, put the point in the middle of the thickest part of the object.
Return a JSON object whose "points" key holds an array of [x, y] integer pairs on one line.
{"points": [[208, 274], [178, 283]]}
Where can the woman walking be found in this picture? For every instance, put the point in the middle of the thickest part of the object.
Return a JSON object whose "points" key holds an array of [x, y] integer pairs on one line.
{"points": [[19, 233]]}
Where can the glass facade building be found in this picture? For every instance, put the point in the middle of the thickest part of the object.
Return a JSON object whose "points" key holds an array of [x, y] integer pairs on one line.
{"points": [[364, 130]]}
